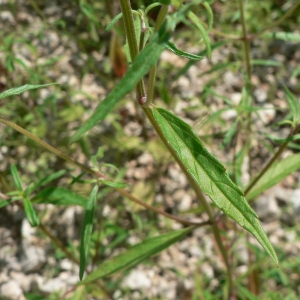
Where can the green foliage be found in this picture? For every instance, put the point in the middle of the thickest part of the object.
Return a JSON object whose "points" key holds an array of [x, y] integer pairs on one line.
{"points": [[86, 232], [58, 179], [137, 254], [209, 174], [141, 65], [275, 174]]}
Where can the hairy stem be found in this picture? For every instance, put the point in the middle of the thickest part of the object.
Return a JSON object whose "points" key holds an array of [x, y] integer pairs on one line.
{"points": [[132, 41], [152, 75]]}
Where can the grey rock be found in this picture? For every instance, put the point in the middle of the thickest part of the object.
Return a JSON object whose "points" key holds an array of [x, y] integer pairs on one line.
{"points": [[295, 200], [233, 80], [33, 258], [267, 208]]}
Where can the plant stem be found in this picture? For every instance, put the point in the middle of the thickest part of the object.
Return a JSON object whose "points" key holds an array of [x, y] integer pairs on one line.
{"points": [[245, 40], [249, 75], [59, 244], [152, 75], [132, 41]]}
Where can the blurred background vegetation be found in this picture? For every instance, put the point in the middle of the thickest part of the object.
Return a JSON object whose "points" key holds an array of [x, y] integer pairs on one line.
{"points": [[66, 42]]}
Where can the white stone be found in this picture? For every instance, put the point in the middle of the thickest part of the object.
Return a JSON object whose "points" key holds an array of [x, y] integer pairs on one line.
{"points": [[52, 285], [229, 114], [7, 16], [137, 280], [236, 98], [11, 290], [267, 113], [66, 264], [145, 159], [23, 280], [260, 95], [207, 270]]}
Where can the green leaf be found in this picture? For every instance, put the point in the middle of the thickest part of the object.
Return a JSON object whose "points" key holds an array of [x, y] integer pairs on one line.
{"points": [[137, 254], [47, 179], [181, 53], [119, 185], [165, 2], [210, 15], [219, 67], [4, 203], [205, 171], [204, 34], [87, 230], [89, 12], [277, 172], [229, 134], [59, 196], [266, 63], [288, 139], [151, 6], [192, 62], [296, 72], [30, 213], [245, 293], [21, 89], [142, 64], [284, 36], [16, 177], [293, 104], [113, 21]]}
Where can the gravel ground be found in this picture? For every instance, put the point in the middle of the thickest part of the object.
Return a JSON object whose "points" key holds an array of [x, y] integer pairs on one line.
{"points": [[28, 261]]}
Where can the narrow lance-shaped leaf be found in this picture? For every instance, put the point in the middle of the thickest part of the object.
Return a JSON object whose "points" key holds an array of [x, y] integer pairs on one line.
{"points": [[284, 36], [30, 213], [203, 32], [210, 15], [16, 177], [47, 179], [181, 53], [22, 89], [59, 196], [113, 21], [209, 174], [293, 104], [4, 203], [136, 254], [87, 230], [192, 62], [141, 65], [275, 174]]}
